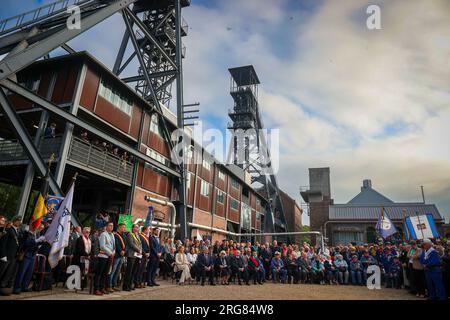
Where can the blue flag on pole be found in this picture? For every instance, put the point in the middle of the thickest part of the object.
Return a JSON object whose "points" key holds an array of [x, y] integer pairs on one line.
{"points": [[148, 221], [385, 227]]}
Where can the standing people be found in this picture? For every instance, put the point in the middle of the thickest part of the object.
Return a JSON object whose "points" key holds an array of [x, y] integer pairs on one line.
{"points": [[417, 274], [28, 248], [83, 246], [134, 254], [144, 236], [155, 255], [8, 253], [121, 249], [433, 271], [105, 258]]}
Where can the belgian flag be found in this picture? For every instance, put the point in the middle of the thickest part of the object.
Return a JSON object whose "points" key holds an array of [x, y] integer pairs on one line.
{"points": [[40, 209]]}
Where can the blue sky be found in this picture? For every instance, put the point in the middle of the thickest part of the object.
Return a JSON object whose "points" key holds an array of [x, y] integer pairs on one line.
{"points": [[368, 104]]}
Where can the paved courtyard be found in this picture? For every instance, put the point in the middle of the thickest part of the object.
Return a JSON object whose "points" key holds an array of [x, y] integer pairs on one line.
{"points": [[269, 291]]}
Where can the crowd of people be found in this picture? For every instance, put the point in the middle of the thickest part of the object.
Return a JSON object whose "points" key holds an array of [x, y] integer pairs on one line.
{"points": [[121, 260], [106, 147]]}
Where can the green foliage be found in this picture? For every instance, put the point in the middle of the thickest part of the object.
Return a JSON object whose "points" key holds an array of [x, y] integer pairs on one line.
{"points": [[9, 195], [305, 238]]}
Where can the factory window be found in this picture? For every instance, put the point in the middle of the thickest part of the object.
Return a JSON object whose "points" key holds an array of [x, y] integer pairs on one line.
{"points": [[31, 84], [206, 164], [154, 125], [188, 181], [114, 97], [158, 157], [221, 175], [234, 204], [220, 196], [204, 188], [235, 184]]}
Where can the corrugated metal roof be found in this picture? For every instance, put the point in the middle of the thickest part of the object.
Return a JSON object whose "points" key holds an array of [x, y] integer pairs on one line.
{"points": [[372, 212], [369, 196]]}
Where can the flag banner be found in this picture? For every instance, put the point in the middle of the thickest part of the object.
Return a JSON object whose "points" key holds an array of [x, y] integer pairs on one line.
{"points": [[385, 227], [127, 220], [421, 227], [59, 231], [52, 204], [39, 212], [148, 221], [198, 237]]}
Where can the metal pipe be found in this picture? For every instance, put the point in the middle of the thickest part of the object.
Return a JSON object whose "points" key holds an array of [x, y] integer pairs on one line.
{"points": [[199, 226], [173, 216]]}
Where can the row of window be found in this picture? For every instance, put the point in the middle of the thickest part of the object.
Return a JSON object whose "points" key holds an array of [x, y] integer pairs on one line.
{"points": [[115, 98], [154, 125], [157, 156]]}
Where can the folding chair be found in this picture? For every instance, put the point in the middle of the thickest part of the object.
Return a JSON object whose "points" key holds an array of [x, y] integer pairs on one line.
{"points": [[40, 272]]}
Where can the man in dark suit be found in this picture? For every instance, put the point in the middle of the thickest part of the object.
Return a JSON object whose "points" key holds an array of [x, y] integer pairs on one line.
{"points": [[9, 246], [266, 257], [155, 254], [239, 267], [205, 266]]}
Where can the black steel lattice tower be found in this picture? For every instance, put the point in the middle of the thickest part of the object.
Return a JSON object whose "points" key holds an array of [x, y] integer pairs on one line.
{"points": [[249, 146]]}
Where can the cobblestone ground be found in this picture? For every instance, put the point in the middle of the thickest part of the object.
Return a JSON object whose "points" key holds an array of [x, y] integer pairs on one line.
{"points": [[268, 291]]}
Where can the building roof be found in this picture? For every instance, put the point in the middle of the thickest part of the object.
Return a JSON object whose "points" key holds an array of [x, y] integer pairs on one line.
{"points": [[373, 211], [171, 117], [369, 195], [244, 76]]}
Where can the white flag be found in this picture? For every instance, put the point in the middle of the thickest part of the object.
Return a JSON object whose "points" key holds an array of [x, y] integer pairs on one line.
{"points": [[59, 231], [199, 237]]}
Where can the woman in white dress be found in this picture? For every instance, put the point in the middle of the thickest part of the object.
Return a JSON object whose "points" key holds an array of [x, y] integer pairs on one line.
{"points": [[182, 264]]}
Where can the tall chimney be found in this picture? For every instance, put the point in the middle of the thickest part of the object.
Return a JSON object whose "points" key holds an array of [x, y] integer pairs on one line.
{"points": [[367, 184]]}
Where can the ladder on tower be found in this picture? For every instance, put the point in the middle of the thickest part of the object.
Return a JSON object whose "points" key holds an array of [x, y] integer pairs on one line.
{"points": [[38, 15]]}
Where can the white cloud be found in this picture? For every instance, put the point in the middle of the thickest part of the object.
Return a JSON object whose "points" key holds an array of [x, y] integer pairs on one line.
{"points": [[369, 104]]}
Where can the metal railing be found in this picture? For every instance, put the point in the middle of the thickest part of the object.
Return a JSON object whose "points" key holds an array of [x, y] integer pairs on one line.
{"points": [[12, 150], [96, 159], [34, 16], [80, 152]]}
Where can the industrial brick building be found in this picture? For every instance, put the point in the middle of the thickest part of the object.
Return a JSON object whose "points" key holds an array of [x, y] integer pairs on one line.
{"points": [[355, 221], [218, 196]]}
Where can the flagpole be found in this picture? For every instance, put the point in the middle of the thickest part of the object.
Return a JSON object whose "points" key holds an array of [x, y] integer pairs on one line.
{"points": [[404, 224], [421, 230]]}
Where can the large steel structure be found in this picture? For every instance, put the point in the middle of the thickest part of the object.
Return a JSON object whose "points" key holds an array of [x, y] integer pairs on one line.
{"points": [[249, 144], [155, 30]]}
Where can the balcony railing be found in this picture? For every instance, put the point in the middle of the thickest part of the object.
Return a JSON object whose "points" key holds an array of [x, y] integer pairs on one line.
{"points": [[98, 160], [12, 150], [80, 152]]}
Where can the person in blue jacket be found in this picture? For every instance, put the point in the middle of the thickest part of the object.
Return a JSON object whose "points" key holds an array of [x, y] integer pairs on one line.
{"points": [[356, 271], [29, 249], [366, 261], [395, 274], [433, 271], [278, 268]]}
